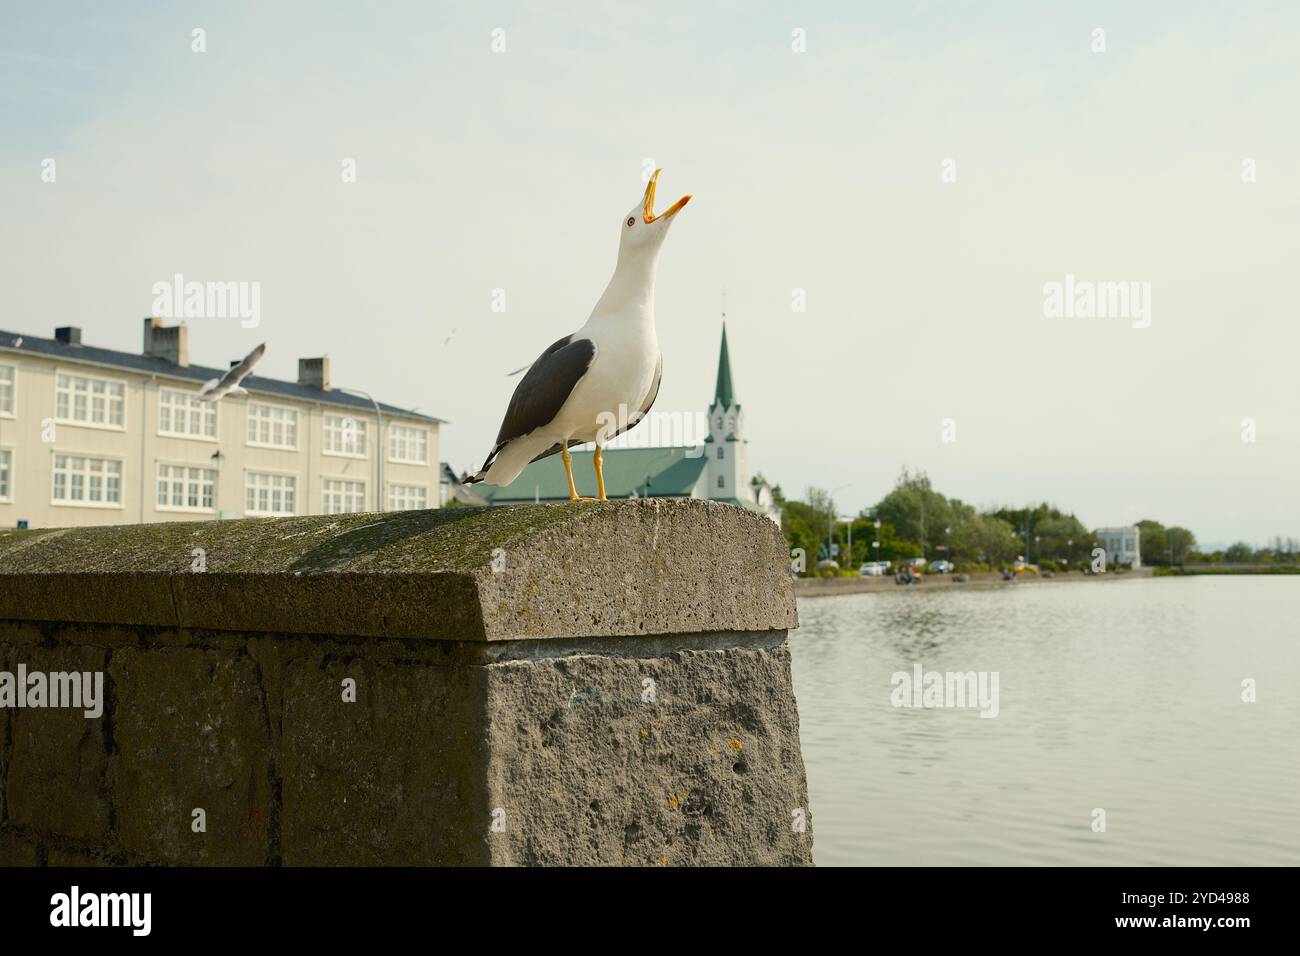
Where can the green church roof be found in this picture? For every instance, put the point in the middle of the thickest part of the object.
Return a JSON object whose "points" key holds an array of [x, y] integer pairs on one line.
{"points": [[724, 393], [742, 503], [672, 473]]}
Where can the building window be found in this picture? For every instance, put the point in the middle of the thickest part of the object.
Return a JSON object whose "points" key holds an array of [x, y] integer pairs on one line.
{"points": [[720, 455], [185, 488], [267, 494], [182, 414], [8, 376], [87, 481], [721, 481], [407, 497], [343, 497], [82, 400], [409, 445], [345, 436], [272, 426], [6, 471]]}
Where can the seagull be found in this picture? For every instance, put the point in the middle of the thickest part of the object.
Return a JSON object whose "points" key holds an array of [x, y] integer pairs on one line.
{"points": [[228, 384], [585, 382]]}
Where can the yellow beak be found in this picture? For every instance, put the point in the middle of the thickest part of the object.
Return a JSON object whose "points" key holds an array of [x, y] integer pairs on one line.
{"points": [[650, 201]]}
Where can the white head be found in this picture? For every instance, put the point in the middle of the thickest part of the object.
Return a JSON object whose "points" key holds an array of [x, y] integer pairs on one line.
{"points": [[641, 231]]}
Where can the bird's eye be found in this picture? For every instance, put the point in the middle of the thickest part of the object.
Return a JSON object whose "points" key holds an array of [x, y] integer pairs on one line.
{"points": [[631, 220]]}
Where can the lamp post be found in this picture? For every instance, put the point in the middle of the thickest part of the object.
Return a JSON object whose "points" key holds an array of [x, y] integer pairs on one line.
{"points": [[876, 543], [830, 518], [217, 458], [923, 527]]}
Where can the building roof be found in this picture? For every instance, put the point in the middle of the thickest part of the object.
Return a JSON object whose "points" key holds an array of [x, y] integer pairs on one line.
{"points": [[672, 473], [151, 365], [742, 503], [724, 391], [465, 494]]}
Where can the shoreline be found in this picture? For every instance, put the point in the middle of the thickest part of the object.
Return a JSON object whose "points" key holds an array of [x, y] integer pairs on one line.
{"points": [[982, 581]]}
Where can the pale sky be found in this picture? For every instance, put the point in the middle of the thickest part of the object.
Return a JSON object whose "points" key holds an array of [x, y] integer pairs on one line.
{"points": [[818, 171]]}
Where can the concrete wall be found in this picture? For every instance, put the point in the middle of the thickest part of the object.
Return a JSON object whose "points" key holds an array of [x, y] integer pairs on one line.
{"points": [[541, 685]]}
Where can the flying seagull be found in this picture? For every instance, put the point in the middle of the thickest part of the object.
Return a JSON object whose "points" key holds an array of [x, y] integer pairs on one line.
{"points": [[604, 376], [228, 384]]}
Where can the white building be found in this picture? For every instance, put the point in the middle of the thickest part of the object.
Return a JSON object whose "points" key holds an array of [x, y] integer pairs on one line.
{"points": [[92, 436], [1123, 545]]}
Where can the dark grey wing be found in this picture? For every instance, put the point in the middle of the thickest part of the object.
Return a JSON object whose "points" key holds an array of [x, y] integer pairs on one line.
{"points": [[634, 419], [241, 371], [541, 393]]}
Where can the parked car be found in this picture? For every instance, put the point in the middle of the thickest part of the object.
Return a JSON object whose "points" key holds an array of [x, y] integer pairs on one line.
{"points": [[874, 569], [941, 567]]}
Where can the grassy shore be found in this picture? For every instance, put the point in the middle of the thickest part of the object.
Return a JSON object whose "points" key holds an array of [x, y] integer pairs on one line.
{"points": [[823, 587], [1227, 569]]}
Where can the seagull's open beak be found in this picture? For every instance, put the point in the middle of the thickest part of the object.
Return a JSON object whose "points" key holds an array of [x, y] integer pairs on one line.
{"points": [[650, 201]]}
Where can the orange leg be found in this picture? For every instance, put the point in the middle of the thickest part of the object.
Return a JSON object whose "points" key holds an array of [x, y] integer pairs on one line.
{"points": [[568, 473], [600, 476]]}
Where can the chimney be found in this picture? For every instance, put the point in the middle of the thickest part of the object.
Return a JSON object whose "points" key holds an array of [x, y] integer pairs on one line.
{"points": [[171, 343], [67, 335], [314, 372]]}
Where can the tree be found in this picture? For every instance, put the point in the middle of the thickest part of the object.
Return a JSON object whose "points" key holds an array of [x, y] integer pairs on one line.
{"points": [[1153, 542], [1181, 541], [916, 511], [1239, 553], [1053, 535], [797, 524], [985, 538]]}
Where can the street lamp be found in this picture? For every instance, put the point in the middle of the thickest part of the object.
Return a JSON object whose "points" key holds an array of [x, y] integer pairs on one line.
{"points": [[217, 458], [830, 519], [876, 544]]}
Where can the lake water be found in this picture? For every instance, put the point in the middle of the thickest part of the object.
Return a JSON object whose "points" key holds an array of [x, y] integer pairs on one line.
{"points": [[1122, 695]]}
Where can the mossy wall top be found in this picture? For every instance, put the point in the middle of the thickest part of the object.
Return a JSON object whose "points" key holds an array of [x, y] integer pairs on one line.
{"points": [[649, 566]]}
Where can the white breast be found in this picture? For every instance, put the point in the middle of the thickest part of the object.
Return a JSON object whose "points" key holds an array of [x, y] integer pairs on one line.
{"points": [[620, 375]]}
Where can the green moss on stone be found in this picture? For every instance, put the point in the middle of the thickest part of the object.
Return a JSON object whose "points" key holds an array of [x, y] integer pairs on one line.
{"points": [[458, 539]]}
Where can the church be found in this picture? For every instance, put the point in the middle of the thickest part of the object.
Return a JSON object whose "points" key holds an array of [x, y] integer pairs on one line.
{"points": [[717, 469]]}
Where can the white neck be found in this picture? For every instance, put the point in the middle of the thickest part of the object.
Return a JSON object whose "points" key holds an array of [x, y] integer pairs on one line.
{"points": [[630, 295]]}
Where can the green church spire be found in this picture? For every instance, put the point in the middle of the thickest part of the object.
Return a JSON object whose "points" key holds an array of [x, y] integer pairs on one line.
{"points": [[724, 393]]}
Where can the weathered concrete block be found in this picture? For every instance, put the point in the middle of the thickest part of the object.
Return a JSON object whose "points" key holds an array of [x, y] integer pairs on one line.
{"points": [[58, 758], [393, 778], [190, 732], [548, 685], [15, 850], [690, 758], [650, 566]]}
